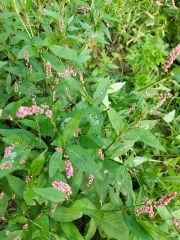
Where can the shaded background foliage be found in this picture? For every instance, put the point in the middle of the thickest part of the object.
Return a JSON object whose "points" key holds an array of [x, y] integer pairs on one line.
{"points": [[97, 67]]}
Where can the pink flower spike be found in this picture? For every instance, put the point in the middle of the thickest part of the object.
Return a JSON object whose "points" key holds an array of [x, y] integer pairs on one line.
{"points": [[69, 169], [63, 187], [171, 58]]}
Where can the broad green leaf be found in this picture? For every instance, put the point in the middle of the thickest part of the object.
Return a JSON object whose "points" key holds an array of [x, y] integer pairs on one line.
{"points": [[101, 91], [169, 117], [82, 159], [136, 228], [145, 136], [77, 181], [29, 123], [54, 163], [16, 184], [86, 206], [51, 14], [124, 179], [29, 48], [64, 52], [26, 137], [154, 231], [2, 64], [164, 213], [71, 127], [136, 161], [63, 214], [56, 63], [115, 120], [91, 230], [71, 231], [115, 87], [113, 225], [50, 194]]}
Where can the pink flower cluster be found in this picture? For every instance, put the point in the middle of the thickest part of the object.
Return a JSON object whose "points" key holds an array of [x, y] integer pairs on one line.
{"points": [[6, 165], [67, 72], [69, 169], [149, 207], [162, 98], [8, 150], [171, 58], [63, 187], [165, 200], [24, 111]]}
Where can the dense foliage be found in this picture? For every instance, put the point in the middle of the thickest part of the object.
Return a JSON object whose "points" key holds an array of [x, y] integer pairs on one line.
{"points": [[89, 120]]}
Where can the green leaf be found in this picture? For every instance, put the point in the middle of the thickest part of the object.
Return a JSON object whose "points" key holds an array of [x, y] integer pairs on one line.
{"points": [[77, 181], [50, 194], [28, 4], [26, 137], [142, 135], [136, 228], [169, 117], [16, 184], [171, 179], [113, 225], [56, 63], [71, 231], [38, 163], [101, 91], [63, 214], [86, 206], [3, 205], [115, 87], [54, 163], [64, 52], [51, 14], [2, 64], [82, 159], [29, 123], [115, 120], [71, 127], [29, 48]]}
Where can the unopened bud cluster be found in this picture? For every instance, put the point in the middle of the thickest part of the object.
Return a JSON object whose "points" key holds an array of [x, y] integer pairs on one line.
{"points": [[48, 70], [61, 25], [90, 180], [171, 58], [162, 98], [100, 154], [149, 207], [67, 72]]}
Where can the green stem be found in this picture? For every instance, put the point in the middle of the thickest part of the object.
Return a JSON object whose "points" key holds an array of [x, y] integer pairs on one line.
{"points": [[18, 15]]}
